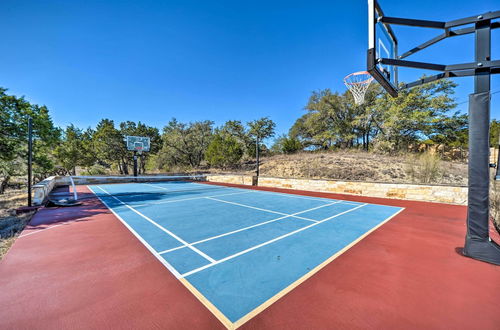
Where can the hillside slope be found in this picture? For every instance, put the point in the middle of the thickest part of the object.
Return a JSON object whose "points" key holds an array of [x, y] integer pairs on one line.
{"points": [[363, 166]]}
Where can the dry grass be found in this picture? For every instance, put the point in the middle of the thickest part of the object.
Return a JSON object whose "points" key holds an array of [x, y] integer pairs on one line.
{"points": [[362, 166], [10, 223]]}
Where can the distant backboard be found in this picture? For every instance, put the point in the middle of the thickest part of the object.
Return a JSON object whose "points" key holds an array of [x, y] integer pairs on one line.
{"points": [[137, 143], [382, 43]]}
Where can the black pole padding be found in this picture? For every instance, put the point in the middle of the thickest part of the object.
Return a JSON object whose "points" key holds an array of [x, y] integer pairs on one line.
{"points": [[135, 163], [30, 157], [478, 244]]}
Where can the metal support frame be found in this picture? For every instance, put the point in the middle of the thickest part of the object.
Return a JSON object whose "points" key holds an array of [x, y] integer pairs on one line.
{"points": [[478, 244], [30, 158], [257, 156], [135, 163], [456, 70]]}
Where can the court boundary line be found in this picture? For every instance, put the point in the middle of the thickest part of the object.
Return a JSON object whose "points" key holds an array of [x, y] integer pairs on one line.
{"points": [[312, 272], [249, 227], [201, 253], [188, 199], [215, 311], [42, 230], [139, 237], [187, 183], [208, 304], [192, 198], [199, 269], [258, 208], [247, 187]]}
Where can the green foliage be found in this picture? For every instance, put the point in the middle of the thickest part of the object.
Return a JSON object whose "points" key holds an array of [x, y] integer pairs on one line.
{"points": [[334, 121], [109, 146], [494, 133], [286, 145], [184, 144], [262, 129], [418, 113], [95, 169], [224, 151], [75, 149], [14, 114]]}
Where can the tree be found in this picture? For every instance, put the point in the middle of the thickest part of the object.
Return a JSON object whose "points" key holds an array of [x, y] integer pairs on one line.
{"points": [[260, 129], [416, 113], [451, 131], [69, 149], [185, 144], [224, 151], [494, 133], [14, 114], [75, 149], [109, 146]]}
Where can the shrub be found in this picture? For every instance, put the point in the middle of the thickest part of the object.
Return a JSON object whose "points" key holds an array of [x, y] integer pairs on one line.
{"points": [[223, 151], [424, 168], [95, 170], [291, 145]]}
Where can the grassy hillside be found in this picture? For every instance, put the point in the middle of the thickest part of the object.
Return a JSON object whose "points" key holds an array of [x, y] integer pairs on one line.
{"points": [[363, 166]]}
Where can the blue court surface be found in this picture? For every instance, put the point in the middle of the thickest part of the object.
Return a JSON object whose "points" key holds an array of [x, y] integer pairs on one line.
{"points": [[238, 250]]}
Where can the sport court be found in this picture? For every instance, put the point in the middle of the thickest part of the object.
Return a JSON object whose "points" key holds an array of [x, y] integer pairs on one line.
{"points": [[237, 248], [96, 267]]}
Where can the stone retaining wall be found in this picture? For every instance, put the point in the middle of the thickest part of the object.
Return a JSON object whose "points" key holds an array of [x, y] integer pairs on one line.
{"points": [[42, 189], [428, 193]]}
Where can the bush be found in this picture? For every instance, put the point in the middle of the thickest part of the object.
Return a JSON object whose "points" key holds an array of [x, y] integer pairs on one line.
{"points": [[95, 170], [424, 168], [224, 151], [291, 145], [286, 145]]}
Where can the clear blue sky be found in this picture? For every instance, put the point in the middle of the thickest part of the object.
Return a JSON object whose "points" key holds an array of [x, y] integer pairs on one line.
{"points": [[194, 60]]}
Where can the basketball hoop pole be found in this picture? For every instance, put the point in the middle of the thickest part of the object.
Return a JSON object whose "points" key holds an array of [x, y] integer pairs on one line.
{"points": [[478, 244], [135, 162]]}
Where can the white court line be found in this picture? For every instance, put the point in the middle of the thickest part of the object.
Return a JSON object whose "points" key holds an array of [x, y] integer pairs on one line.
{"points": [[322, 199], [191, 198], [161, 228], [41, 230], [258, 208], [268, 242], [201, 197], [139, 237], [206, 187], [249, 227]]}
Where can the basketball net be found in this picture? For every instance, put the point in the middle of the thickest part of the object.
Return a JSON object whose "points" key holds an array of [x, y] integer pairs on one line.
{"points": [[358, 83]]}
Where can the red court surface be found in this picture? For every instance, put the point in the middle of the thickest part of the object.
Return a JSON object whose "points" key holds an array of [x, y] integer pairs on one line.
{"points": [[81, 268]]}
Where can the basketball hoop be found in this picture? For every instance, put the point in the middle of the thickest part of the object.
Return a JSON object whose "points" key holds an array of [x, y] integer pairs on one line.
{"points": [[358, 83], [139, 149]]}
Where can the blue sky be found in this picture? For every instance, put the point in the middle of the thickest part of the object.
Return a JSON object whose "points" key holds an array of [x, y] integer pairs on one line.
{"points": [[195, 60]]}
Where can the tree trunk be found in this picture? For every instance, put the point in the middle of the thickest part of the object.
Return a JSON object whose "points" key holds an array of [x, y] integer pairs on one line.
{"points": [[124, 166], [3, 184]]}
